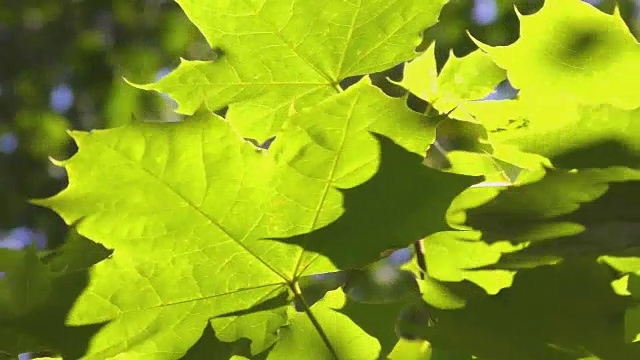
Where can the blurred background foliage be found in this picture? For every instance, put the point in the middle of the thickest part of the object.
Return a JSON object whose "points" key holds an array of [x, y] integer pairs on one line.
{"points": [[62, 65]]}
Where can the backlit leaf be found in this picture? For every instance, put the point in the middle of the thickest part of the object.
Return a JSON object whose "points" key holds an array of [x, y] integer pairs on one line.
{"points": [[279, 55]]}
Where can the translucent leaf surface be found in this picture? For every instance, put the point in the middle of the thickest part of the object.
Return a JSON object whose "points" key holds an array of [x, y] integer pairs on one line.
{"points": [[186, 206], [370, 206], [577, 104], [301, 341], [570, 49], [220, 248], [469, 78], [461, 81], [186, 241], [345, 156], [451, 254], [276, 55]]}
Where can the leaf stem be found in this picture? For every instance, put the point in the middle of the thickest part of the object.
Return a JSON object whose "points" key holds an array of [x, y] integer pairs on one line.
{"points": [[420, 257], [307, 309]]}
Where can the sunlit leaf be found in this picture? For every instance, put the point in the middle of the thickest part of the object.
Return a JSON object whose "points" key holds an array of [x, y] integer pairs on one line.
{"points": [[571, 50], [277, 56]]}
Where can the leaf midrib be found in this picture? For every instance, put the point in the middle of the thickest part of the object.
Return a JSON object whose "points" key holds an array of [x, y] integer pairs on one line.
{"points": [[210, 220], [330, 180]]}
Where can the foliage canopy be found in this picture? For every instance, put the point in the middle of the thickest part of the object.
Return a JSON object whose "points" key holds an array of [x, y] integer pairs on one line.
{"points": [[197, 243]]}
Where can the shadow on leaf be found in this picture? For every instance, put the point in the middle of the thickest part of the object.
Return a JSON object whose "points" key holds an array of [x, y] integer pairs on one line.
{"points": [[606, 153], [567, 311], [210, 347], [403, 202], [565, 215], [56, 281]]}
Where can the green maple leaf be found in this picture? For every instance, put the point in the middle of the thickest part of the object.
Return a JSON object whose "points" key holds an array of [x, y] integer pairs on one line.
{"points": [[351, 342], [413, 205], [359, 234], [185, 207], [212, 236], [169, 199], [276, 55], [571, 50], [573, 65], [452, 256], [461, 80]]}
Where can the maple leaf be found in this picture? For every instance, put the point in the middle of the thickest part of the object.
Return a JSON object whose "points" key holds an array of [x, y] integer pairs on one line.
{"points": [[282, 55], [185, 207], [571, 50]]}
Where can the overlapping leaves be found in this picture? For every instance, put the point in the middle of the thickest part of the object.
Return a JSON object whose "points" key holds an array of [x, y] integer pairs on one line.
{"points": [[279, 56], [213, 238], [187, 208], [577, 103], [587, 211], [577, 107]]}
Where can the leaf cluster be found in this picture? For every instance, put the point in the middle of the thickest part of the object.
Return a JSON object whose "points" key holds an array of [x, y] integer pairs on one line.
{"points": [[525, 209]]}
